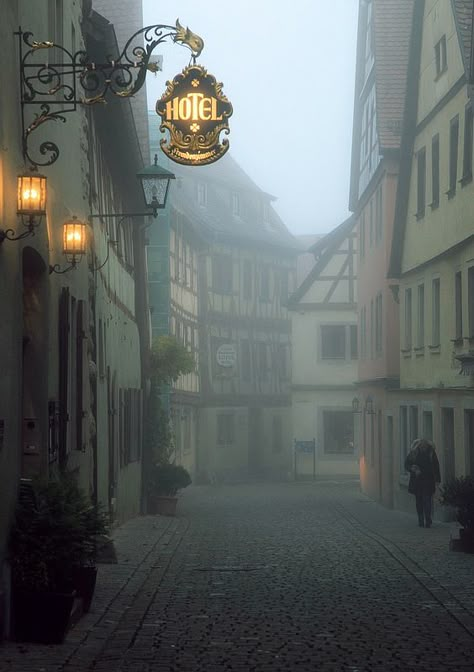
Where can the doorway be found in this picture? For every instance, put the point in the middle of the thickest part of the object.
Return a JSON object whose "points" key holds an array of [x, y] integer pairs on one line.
{"points": [[447, 434], [469, 440]]}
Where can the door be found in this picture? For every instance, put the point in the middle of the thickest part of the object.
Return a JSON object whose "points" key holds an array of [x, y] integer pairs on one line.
{"points": [[389, 463], [447, 434], [469, 440]]}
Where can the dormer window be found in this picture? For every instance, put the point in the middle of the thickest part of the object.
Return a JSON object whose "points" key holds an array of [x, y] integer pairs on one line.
{"points": [[202, 194], [236, 205], [440, 56]]}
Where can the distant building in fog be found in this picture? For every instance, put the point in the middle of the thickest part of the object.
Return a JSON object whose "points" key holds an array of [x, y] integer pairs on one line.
{"points": [[324, 356], [224, 228]]}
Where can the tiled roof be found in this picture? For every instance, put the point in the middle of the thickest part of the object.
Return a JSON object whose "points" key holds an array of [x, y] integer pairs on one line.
{"points": [[462, 10], [392, 29], [216, 219]]}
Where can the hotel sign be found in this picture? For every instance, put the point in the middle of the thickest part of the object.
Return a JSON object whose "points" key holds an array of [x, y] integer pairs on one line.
{"points": [[195, 113]]}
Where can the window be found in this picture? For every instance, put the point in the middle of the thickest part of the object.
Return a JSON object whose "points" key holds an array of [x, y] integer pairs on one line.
{"points": [[413, 423], [467, 156], [265, 284], [453, 155], [262, 361], [435, 172], [403, 437], [421, 183], [470, 299], [378, 324], [408, 320], [420, 331], [371, 222], [363, 333], [372, 329], [428, 425], [353, 339], [338, 432], [236, 205], [202, 194], [435, 311], [277, 432], [246, 362], [333, 342], [362, 235], [369, 151], [247, 279], [222, 274], [225, 429], [378, 215], [458, 305], [440, 56], [283, 367], [283, 277]]}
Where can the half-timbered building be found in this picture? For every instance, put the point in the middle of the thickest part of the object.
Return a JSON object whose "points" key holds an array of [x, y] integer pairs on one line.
{"points": [[324, 358]]}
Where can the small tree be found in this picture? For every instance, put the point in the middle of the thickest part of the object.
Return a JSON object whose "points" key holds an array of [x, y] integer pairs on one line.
{"points": [[168, 361]]}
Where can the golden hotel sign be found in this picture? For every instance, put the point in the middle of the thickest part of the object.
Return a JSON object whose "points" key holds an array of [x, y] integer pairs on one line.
{"points": [[195, 112]]}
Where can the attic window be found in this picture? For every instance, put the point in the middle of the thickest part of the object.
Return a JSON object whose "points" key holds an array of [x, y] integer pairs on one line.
{"points": [[440, 56], [236, 205], [202, 194]]}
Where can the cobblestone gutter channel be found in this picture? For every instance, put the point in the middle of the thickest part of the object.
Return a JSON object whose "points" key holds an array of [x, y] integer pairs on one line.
{"points": [[271, 578]]}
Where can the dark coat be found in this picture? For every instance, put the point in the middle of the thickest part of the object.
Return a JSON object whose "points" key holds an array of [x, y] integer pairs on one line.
{"points": [[423, 482]]}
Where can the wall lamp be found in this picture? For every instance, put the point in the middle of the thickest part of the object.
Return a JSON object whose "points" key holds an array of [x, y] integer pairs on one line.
{"points": [[74, 244], [369, 406], [356, 405], [31, 205], [155, 184]]}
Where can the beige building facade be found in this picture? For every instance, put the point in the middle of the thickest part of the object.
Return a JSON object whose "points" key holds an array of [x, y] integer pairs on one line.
{"points": [[433, 248], [324, 359]]}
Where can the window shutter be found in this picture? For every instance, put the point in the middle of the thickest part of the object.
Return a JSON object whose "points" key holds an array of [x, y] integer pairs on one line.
{"points": [[63, 339]]}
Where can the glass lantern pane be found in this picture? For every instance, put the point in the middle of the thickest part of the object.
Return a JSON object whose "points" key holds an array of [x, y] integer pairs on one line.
{"points": [[154, 190]]}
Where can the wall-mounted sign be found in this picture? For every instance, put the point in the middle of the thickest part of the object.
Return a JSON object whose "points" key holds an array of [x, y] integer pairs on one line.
{"points": [[226, 355], [195, 112]]}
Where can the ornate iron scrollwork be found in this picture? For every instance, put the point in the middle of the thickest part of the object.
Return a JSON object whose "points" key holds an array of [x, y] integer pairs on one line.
{"points": [[53, 84]]}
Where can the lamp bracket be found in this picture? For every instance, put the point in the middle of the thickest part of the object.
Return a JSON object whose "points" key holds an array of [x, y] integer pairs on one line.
{"points": [[55, 87], [7, 235], [56, 268]]}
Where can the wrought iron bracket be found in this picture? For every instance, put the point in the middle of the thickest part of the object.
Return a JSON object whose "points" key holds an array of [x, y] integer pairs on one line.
{"points": [[9, 234], [62, 80]]}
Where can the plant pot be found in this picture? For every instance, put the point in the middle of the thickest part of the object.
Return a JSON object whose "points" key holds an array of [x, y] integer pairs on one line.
{"points": [[84, 580], [40, 617], [466, 535], [163, 505]]}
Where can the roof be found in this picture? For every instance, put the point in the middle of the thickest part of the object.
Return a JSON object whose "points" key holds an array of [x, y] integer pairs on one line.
{"points": [[392, 20], [323, 250], [462, 10], [392, 28], [216, 219]]}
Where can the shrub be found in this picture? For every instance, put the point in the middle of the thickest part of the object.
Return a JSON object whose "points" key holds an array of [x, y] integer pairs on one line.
{"points": [[167, 479], [459, 493]]}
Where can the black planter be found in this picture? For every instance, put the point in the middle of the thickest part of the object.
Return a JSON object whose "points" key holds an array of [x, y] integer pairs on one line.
{"points": [[84, 579], [40, 617]]}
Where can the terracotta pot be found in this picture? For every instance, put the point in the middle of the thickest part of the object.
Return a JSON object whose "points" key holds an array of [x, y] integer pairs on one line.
{"points": [[40, 617], [164, 506]]}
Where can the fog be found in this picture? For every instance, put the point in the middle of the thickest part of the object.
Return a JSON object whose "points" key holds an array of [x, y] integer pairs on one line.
{"points": [[288, 69]]}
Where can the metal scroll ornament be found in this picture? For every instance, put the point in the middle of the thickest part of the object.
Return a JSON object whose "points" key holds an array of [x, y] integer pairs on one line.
{"points": [[195, 113]]}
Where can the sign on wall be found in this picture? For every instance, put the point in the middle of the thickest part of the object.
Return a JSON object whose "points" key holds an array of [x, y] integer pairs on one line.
{"points": [[195, 112], [226, 355]]}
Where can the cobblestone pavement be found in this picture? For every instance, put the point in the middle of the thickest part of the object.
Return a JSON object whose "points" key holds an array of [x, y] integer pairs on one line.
{"points": [[270, 578]]}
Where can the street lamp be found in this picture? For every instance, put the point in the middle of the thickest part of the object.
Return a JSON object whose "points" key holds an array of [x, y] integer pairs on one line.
{"points": [[74, 244], [31, 203], [155, 183]]}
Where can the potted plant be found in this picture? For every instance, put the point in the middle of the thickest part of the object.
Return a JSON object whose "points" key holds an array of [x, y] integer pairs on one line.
{"points": [[164, 482], [459, 493], [52, 537]]}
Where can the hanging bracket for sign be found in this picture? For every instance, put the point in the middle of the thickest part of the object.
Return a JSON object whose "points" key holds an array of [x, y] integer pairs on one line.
{"points": [[55, 81], [195, 113]]}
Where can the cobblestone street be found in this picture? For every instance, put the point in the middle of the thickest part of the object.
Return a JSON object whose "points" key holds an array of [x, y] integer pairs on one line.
{"points": [[273, 577]]}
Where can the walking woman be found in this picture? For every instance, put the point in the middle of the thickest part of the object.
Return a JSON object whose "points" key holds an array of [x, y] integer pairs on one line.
{"points": [[423, 466]]}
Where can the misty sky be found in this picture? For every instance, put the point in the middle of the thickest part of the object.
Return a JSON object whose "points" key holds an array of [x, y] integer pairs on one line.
{"points": [[288, 69]]}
